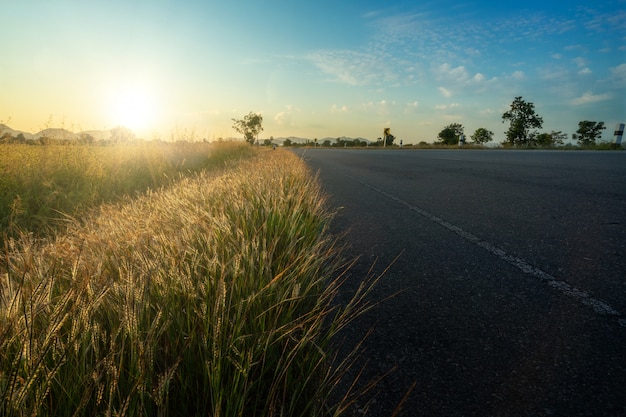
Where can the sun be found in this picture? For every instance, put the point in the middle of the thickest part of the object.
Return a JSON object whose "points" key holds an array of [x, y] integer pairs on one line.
{"points": [[134, 107]]}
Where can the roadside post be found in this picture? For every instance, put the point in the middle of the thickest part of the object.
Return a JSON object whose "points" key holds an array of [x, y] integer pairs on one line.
{"points": [[619, 133]]}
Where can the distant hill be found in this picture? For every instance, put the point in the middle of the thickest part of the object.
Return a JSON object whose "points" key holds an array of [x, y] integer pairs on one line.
{"points": [[6, 129], [64, 134], [123, 133], [56, 133]]}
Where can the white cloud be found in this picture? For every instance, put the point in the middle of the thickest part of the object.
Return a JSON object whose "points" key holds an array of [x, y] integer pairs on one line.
{"points": [[336, 109], [584, 71], [518, 75], [580, 62], [411, 107], [380, 107], [619, 74], [283, 118], [458, 74], [554, 73], [589, 97], [349, 67], [445, 92], [446, 106]]}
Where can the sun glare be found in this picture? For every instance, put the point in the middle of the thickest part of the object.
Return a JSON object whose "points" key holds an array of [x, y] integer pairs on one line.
{"points": [[134, 108]]}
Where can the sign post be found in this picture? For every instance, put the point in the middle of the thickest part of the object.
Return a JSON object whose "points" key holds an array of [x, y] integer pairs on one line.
{"points": [[619, 133]]}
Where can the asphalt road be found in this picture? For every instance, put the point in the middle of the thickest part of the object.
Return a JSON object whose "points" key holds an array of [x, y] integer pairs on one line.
{"points": [[512, 272]]}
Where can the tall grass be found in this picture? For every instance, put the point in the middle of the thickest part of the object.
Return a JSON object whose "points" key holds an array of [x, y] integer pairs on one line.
{"points": [[213, 297], [41, 184]]}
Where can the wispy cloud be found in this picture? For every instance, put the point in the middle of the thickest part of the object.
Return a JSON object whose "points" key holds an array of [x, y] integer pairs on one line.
{"points": [[338, 109], [589, 97], [619, 74], [445, 92], [381, 107], [446, 106], [358, 68], [283, 118]]}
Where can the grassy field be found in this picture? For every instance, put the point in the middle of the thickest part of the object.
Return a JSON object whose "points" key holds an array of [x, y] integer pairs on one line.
{"points": [[41, 185], [212, 296]]}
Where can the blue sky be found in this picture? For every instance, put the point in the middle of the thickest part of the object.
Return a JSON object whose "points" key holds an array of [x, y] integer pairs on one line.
{"points": [[313, 69]]}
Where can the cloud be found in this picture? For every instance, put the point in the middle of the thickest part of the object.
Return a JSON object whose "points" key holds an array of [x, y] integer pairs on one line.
{"points": [[457, 74], [619, 74], [411, 107], [283, 118], [584, 71], [446, 106], [445, 92], [354, 67], [554, 73], [589, 97], [459, 78], [518, 75], [336, 109], [381, 107]]}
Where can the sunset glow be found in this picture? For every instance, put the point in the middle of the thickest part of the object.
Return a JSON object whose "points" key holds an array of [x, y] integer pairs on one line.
{"points": [[134, 108], [314, 69]]}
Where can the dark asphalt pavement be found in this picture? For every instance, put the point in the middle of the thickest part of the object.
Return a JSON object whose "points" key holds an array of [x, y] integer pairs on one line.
{"points": [[512, 269]]}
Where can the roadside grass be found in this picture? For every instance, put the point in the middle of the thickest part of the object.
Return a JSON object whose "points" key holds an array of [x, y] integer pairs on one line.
{"points": [[42, 185], [211, 297]]}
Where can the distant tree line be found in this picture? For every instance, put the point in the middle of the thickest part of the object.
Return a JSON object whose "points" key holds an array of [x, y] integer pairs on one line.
{"points": [[522, 132]]}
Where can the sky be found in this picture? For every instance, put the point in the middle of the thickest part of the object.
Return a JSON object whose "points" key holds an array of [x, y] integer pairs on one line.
{"points": [[315, 69]]}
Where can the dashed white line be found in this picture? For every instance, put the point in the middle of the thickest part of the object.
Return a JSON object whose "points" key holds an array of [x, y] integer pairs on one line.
{"points": [[599, 306]]}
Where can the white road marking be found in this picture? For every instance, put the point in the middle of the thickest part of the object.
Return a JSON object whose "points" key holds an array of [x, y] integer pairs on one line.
{"points": [[600, 307]]}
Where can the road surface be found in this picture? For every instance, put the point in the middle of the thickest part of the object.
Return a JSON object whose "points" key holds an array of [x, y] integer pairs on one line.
{"points": [[512, 272]]}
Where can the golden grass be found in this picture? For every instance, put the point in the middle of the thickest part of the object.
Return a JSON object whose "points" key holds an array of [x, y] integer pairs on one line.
{"points": [[41, 185], [210, 297]]}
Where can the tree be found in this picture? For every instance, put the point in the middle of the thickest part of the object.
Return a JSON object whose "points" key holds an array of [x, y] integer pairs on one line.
{"points": [[450, 134], [522, 118], [588, 132], [250, 126], [551, 139], [121, 134], [482, 135]]}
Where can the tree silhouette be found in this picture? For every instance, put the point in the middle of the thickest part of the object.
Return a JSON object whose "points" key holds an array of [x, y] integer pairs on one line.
{"points": [[250, 126], [522, 118]]}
